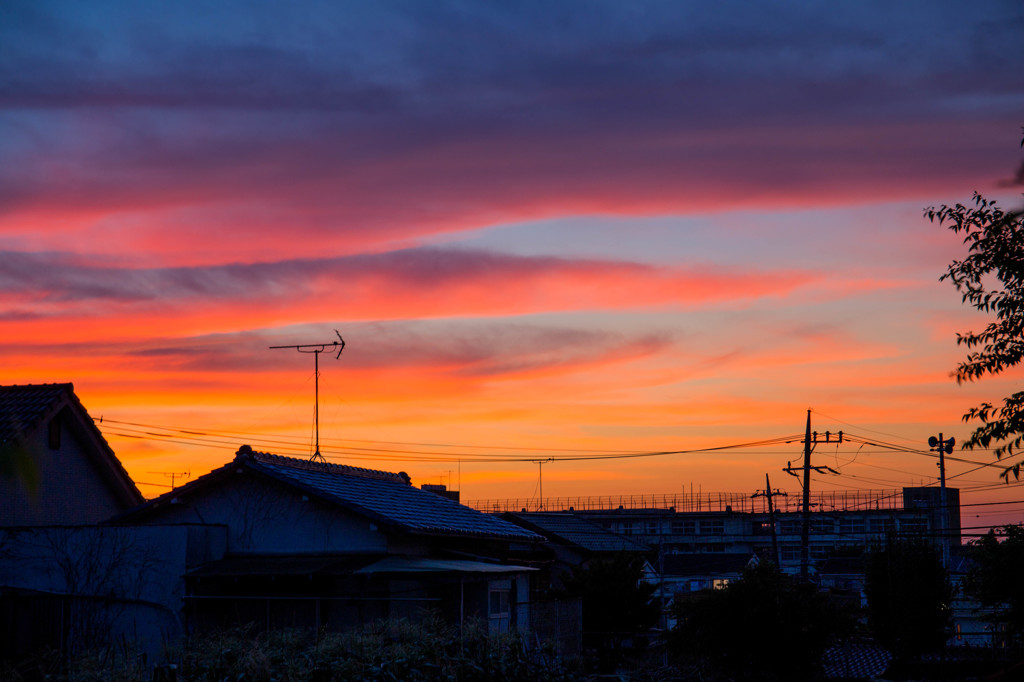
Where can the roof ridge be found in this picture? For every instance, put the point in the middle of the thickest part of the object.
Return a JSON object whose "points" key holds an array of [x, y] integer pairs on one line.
{"points": [[247, 453]]}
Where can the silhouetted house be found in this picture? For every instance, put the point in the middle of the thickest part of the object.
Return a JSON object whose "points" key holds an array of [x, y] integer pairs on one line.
{"points": [[571, 542], [57, 467], [844, 578], [328, 545], [695, 572]]}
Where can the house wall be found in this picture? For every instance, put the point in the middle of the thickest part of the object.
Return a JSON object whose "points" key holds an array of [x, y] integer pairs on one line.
{"points": [[78, 586], [69, 489], [264, 517]]}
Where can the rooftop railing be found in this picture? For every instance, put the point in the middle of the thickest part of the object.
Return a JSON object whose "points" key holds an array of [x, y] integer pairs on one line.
{"points": [[842, 500]]}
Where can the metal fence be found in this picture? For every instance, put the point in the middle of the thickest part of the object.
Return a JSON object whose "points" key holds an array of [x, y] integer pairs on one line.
{"points": [[835, 500]]}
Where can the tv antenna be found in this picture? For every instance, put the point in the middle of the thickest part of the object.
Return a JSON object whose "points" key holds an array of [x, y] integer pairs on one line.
{"points": [[316, 349], [173, 475]]}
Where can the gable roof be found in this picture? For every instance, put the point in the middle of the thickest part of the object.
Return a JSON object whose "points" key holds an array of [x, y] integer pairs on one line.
{"points": [[569, 529], [27, 408], [384, 497]]}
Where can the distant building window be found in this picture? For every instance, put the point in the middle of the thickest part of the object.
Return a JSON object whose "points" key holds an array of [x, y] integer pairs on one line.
{"points": [[913, 525], [880, 526], [712, 527], [55, 433], [790, 527], [627, 527], [652, 528], [720, 583], [684, 527], [791, 553], [820, 551], [823, 526], [851, 526]]}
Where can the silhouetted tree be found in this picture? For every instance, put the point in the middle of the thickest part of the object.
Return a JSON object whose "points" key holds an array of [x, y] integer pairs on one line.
{"points": [[995, 579], [617, 605], [995, 254], [909, 597], [764, 626]]}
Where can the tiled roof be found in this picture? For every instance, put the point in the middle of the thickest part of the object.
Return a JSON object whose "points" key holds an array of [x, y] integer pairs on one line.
{"points": [[573, 530], [855, 661], [384, 496], [22, 407]]}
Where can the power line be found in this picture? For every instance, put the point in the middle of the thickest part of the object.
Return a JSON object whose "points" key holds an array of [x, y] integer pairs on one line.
{"points": [[225, 439]]}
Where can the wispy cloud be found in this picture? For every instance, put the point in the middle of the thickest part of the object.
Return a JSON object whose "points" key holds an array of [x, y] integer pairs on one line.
{"points": [[431, 281]]}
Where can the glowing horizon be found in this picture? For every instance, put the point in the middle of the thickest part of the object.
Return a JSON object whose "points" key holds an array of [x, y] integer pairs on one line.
{"points": [[635, 228]]}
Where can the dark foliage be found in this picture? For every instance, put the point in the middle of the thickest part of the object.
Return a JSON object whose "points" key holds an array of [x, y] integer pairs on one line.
{"points": [[388, 651], [617, 606], [765, 626], [995, 579], [990, 278], [909, 598]]}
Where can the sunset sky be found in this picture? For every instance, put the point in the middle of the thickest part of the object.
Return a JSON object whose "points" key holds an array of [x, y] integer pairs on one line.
{"points": [[544, 229]]}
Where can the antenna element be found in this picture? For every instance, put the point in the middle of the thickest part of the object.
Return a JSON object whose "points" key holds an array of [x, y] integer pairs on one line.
{"points": [[316, 349]]}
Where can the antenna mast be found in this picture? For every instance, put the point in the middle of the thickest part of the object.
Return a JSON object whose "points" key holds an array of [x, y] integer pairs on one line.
{"points": [[316, 349]]}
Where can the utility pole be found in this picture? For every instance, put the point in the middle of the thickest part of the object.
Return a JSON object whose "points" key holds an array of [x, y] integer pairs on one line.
{"points": [[805, 531], [943, 447], [540, 480], [769, 493], [173, 475], [316, 349]]}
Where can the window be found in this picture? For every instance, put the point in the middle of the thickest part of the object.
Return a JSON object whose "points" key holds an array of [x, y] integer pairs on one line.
{"points": [[627, 527], [684, 527], [720, 583], [791, 553], [790, 527], [880, 526], [823, 526], [712, 527], [850, 525], [499, 606], [913, 525], [652, 528], [820, 551]]}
